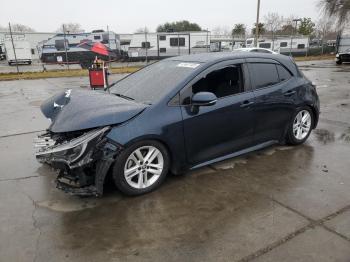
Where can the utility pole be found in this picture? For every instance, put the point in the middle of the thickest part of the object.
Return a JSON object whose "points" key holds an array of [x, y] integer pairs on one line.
{"points": [[14, 49], [65, 45], [257, 25], [146, 45], [207, 44], [291, 36], [109, 45]]}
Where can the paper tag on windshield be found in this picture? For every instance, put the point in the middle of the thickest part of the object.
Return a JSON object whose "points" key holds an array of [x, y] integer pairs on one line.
{"points": [[189, 65]]}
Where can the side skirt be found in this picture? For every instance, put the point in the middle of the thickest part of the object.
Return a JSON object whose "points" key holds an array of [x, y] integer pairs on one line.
{"points": [[238, 153]]}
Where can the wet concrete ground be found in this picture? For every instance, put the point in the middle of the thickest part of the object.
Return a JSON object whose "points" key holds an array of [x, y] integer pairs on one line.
{"points": [[279, 204]]}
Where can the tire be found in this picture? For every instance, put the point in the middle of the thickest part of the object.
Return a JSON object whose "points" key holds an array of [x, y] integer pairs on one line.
{"points": [[339, 62], [299, 130], [135, 184]]}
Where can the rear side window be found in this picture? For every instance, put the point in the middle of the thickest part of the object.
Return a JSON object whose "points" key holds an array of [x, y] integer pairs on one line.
{"points": [[263, 74], [283, 73]]}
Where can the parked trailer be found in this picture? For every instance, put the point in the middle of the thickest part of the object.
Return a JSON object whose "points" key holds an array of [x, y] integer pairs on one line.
{"points": [[162, 45], [54, 50], [23, 53], [299, 44]]}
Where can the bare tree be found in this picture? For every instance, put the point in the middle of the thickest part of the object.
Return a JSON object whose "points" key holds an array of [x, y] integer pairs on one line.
{"points": [[324, 26], [142, 30], [288, 26], [19, 28], [71, 28], [340, 9], [273, 22]]}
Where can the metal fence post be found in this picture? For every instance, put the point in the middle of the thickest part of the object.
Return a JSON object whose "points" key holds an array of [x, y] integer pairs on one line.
{"points": [[65, 46], [146, 46], [14, 49]]}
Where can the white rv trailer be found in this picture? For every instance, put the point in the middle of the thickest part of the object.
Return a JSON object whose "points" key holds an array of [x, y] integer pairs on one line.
{"points": [[282, 45], [161, 45], [34, 38], [22, 53]]}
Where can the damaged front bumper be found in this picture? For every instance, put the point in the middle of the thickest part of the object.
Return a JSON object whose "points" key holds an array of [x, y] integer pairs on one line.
{"points": [[82, 161]]}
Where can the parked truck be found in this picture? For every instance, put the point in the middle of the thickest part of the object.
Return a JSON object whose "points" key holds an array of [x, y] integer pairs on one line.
{"points": [[23, 53]]}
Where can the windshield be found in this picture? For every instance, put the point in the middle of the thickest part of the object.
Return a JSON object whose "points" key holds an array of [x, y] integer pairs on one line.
{"points": [[151, 83]]}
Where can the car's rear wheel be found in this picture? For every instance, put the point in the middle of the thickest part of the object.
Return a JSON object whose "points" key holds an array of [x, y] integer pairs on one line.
{"points": [[141, 168], [301, 126]]}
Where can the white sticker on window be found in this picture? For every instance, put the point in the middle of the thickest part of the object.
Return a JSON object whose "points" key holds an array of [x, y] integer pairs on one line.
{"points": [[189, 65]]}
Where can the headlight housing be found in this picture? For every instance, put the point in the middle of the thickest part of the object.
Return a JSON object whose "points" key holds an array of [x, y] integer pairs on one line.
{"points": [[68, 152]]}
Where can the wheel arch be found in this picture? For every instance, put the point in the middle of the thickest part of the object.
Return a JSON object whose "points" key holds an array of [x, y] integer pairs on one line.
{"points": [[159, 139]]}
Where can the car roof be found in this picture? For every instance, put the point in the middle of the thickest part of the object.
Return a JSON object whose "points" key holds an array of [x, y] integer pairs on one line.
{"points": [[207, 59]]}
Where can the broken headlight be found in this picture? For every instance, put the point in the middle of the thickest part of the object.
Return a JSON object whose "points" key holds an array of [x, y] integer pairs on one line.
{"points": [[68, 152]]}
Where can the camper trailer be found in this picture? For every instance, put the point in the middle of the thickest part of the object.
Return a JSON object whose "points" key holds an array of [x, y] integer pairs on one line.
{"points": [[285, 45], [64, 48], [22, 53], [162, 45]]}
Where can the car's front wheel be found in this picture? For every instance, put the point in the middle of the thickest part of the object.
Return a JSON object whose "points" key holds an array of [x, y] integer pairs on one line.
{"points": [[301, 126], [141, 168]]}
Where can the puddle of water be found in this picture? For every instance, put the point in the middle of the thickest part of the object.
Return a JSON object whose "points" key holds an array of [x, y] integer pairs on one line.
{"points": [[324, 135], [346, 135]]}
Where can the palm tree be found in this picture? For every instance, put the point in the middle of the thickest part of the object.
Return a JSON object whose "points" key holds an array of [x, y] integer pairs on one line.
{"points": [[337, 8]]}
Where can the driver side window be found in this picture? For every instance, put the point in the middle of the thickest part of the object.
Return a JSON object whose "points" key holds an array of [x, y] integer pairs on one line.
{"points": [[223, 82]]}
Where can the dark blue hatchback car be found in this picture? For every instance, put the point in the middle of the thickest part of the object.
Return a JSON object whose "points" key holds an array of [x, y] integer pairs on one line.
{"points": [[177, 114]]}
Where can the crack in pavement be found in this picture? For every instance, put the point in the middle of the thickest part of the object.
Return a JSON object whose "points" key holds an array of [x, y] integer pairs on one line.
{"points": [[18, 178], [312, 224], [23, 133], [35, 224]]}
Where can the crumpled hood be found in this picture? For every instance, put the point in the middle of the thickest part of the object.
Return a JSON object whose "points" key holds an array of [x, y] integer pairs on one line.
{"points": [[75, 110]]}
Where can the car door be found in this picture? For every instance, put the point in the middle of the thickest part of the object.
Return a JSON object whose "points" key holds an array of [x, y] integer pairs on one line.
{"points": [[274, 103], [220, 129]]}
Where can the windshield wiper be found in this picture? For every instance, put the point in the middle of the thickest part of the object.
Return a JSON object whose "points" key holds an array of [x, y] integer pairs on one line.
{"points": [[123, 96]]}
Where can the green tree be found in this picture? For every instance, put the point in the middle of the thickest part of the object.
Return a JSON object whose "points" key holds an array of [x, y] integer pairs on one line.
{"points": [[178, 26], [306, 27], [337, 8], [261, 28], [238, 29]]}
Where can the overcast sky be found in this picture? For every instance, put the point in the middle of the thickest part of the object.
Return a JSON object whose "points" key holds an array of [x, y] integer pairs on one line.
{"points": [[126, 16]]}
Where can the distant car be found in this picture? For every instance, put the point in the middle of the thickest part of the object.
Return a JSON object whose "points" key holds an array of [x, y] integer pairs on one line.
{"points": [[343, 56], [255, 50], [177, 114]]}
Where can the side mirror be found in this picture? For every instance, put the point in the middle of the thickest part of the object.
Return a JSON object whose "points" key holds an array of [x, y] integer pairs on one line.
{"points": [[204, 99]]}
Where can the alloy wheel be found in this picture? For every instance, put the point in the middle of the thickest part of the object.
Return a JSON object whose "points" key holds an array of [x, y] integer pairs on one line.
{"points": [[143, 167], [302, 124]]}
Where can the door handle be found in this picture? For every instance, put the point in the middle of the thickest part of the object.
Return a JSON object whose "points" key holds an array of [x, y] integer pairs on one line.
{"points": [[247, 103], [290, 92]]}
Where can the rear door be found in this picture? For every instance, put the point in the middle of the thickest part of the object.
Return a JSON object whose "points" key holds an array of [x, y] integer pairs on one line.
{"points": [[274, 90], [225, 127]]}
